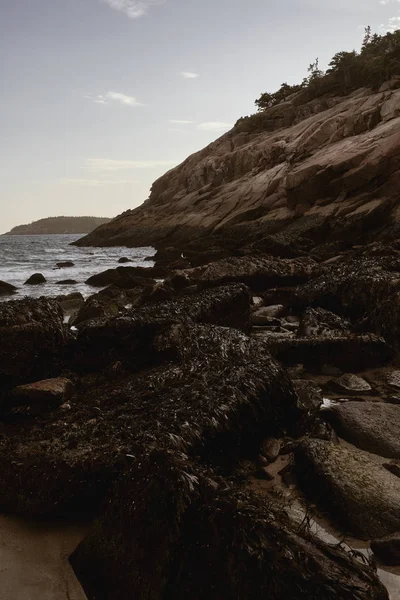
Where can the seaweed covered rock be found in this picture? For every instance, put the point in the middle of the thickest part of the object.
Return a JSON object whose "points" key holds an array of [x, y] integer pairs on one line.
{"points": [[372, 426], [387, 549], [131, 338], [33, 338], [348, 353], [182, 532], [215, 391], [356, 491], [107, 303], [125, 277], [258, 272]]}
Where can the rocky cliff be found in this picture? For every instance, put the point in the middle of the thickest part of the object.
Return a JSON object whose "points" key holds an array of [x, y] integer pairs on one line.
{"points": [[325, 169]]}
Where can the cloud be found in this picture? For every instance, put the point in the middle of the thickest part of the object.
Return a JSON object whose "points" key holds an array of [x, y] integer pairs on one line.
{"points": [[189, 75], [114, 97], [180, 122], [134, 9], [96, 182], [214, 126], [109, 164]]}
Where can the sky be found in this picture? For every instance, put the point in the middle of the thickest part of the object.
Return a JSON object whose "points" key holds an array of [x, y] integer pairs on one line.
{"points": [[98, 98]]}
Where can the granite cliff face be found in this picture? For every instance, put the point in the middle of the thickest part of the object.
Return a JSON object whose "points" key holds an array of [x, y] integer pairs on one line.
{"points": [[325, 170]]}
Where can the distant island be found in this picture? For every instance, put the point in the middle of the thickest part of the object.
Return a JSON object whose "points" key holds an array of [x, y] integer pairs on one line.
{"points": [[59, 225]]}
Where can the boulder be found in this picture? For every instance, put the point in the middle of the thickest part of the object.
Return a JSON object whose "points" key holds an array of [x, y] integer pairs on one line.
{"points": [[125, 277], [49, 393], [124, 260], [132, 337], [67, 282], [351, 385], [35, 279], [387, 549], [358, 494], [347, 353], [70, 302], [271, 448], [169, 532], [372, 426], [188, 402], [263, 315], [33, 339], [6, 289], [309, 401], [65, 265], [393, 380], [258, 272]]}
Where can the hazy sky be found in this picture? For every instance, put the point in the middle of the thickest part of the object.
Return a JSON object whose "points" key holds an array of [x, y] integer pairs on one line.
{"points": [[100, 97]]}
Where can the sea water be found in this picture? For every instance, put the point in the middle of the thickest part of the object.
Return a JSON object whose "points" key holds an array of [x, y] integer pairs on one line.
{"points": [[23, 255]]}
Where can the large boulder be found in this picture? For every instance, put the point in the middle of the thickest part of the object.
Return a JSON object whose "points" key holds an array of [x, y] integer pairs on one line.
{"points": [[320, 322], [171, 530], [258, 272], [192, 402], [6, 289], [387, 549], [33, 338], [48, 393], [132, 337], [359, 495], [348, 353], [125, 277], [35, 279], [372, 426]]}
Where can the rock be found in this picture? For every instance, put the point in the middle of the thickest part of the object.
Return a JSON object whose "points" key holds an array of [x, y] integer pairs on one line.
{"points": [[65, 265], [70, 302], [387, 549], [351, 385], [309, 402], [257, 303], [316, 169], [320, 322], [331, 371], [263, 315], [125, 277], [258, 272], [48, 393], [271, 448], [346, 353], [372, 426], [124, 260], [6, 289], [35, 279], [33, 338], [360, 496], [392, 468], [67, 282], [393, 380], [393, 399]]}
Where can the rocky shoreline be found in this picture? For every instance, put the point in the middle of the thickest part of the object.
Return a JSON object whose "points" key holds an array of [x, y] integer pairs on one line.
{"points": [[171, 392]]}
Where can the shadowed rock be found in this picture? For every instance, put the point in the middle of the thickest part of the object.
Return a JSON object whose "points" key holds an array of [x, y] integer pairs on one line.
{"points": [[6, 289], [35, 279]]}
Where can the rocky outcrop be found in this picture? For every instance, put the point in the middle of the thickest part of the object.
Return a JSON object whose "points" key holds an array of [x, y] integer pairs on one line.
{"points": [[372, 426], [356, 491], [59, 225], [317, 172], [6, 289]]}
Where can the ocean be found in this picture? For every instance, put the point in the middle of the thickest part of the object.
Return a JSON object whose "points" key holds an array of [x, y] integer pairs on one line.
{"points": [[21, 256]]}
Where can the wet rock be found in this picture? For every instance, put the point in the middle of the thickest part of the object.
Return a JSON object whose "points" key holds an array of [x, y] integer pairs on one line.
{"points": [[259, 273], [263, 315], [67, 282], [263, 473], [125, 277], [351, 385], [35, 279], [6, 289], [393, 399], [257, 303], [49, 393], [393, 380], [33, 337], [249, 548], [124, 260], [309, 402], [330, 371], [70, 302], [133, 336], [387, 549], [372, 426], [347, 353], [358, 494], [65, 265], [108, 303], [271, 448], [319, 322], [189, 402]]}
